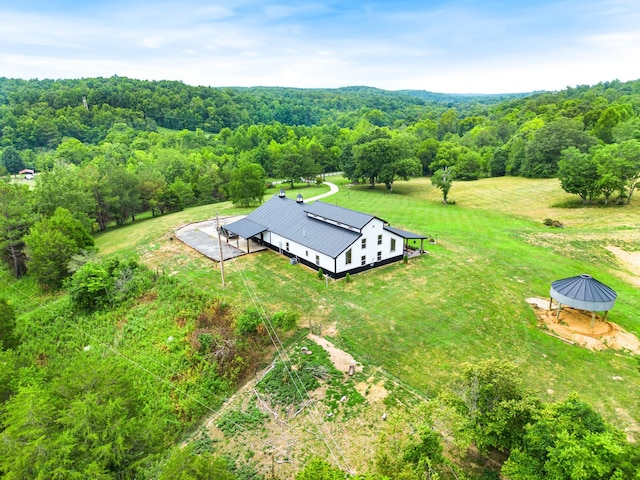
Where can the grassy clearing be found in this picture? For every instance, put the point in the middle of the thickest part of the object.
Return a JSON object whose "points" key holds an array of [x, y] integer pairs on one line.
{"points": [[461, 303]]}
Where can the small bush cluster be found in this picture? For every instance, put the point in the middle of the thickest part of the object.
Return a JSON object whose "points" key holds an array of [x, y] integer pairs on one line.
{"points": [[237, 422], [550, 222], [248, 322], [107, 283], [285, 320]]}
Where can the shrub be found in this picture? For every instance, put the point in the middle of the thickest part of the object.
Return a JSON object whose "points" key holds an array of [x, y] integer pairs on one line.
{"points": [[347, 278], [8, 339], [106, 283], [285, 320], [320, 273], [248, 322], [550, 222]]}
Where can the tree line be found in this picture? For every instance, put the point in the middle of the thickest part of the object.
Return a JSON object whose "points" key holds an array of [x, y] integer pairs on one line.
{"points": [[100, 152]]}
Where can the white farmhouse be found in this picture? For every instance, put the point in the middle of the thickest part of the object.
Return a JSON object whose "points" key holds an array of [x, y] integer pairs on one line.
{"points": [[322, 235]]}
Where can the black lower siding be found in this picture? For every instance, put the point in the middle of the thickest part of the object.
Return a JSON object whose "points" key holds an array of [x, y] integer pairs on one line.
{"points": [[352, 271]]}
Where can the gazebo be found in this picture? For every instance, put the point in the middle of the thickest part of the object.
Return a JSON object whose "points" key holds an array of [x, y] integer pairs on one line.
{"points": [[583, 292]]}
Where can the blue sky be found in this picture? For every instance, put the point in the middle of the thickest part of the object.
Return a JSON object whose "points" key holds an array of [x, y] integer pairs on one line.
{"points": [[442, 46]]}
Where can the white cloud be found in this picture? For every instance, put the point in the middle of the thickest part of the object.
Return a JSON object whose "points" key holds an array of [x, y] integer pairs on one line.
{"points": [[451, 48]]}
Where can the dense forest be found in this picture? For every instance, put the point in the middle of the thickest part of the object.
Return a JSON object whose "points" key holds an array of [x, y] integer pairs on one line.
{"points": [[106, 150]]}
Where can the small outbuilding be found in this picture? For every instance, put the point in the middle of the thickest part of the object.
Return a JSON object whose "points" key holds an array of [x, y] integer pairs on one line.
{"points": [[583, 292], [28, 173]]}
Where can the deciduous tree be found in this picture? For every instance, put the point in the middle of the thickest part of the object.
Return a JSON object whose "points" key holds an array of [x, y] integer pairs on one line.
{"points": [[570, 441], [578, 174], [490, 397], [543, 152], [51, 243], [443, 179], [248, 184], [611, 171], [64, 187], [11, 160]]}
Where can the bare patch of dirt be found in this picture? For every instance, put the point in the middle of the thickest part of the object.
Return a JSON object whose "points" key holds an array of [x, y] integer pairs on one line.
{"points": [[340, 359], [630, 260], [373, 392], [578, 327]]}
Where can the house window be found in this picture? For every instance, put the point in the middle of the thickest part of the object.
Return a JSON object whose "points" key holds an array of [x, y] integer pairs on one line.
{"points": [[364, 243], [379, 239], [306, 252], [393, 244], [287, 246], [363, 260], [348, 257], [317, 259], [379, 256]]}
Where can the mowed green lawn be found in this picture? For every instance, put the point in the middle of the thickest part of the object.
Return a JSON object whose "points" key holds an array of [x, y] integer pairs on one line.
{"points": [[463, 302]]}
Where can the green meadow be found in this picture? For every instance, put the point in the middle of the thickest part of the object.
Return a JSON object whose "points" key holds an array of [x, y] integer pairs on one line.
{"points": [[463, 302]]}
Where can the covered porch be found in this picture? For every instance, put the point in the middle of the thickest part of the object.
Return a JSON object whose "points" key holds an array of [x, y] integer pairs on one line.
{"points": [[410, 242], [245, 229]]}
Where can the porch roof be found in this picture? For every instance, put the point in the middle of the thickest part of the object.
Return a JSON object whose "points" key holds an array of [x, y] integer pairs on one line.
{"points": [[404, 233], [244, 228]]}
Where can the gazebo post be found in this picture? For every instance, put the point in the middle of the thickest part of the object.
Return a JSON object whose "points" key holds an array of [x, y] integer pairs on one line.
{"points": [[605, 315], [593, 319], [550, 302], [558, 313]]}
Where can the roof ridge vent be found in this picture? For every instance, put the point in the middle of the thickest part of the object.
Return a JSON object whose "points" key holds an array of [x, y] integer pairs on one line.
{"points": [[299, 198], [281, 193]]}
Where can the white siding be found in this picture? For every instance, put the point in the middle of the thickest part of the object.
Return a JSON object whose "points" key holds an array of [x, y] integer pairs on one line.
{"points": [[325, 262], [370, 232]]}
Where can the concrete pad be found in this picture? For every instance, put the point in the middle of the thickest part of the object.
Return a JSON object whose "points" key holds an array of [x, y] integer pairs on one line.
{"points": [[203, 237]]}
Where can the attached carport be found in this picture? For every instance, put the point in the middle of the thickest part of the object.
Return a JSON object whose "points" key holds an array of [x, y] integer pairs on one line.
{"points": [[244, 228]]}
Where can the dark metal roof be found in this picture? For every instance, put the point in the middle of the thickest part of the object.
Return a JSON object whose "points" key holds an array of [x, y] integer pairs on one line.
{"points": [[289, 219], [339, 214], [404, 233], [583, 292], [244, 228]]}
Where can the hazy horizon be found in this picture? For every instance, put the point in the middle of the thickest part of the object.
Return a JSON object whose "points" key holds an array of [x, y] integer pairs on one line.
{"points": [[452, 47]]}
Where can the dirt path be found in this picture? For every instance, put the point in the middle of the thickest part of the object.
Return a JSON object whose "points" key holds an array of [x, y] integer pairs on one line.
{"points": [[333, 188]]}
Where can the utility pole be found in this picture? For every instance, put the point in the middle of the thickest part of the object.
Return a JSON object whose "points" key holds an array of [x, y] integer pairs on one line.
{"points": [[220, 249]]}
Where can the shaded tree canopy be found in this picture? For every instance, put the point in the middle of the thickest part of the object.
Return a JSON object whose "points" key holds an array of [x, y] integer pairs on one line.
{"points": [[51, 243], [248, 185], [543, 152]]}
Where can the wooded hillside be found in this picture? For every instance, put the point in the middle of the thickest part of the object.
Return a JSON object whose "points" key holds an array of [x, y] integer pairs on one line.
{"points": [[110, 362]]}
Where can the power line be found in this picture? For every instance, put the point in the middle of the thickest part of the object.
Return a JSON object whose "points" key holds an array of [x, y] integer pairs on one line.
{"points": [[297, 382]]}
